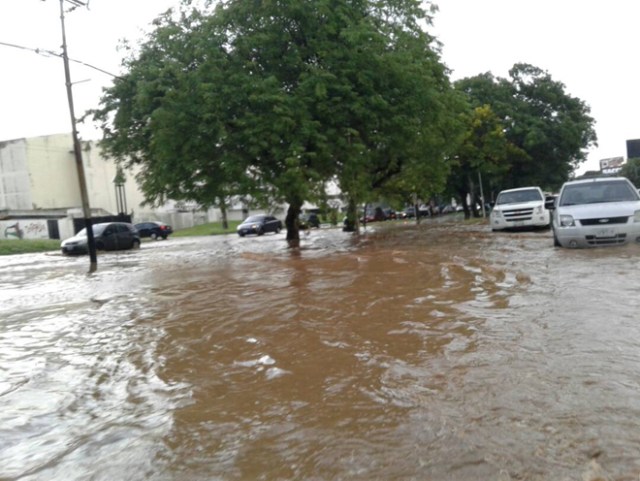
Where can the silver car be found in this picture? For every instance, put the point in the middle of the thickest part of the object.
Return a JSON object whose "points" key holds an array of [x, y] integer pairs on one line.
{"points": [[601, 211]]}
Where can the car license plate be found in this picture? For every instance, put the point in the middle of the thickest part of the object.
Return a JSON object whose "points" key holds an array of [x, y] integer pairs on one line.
{"points": [[605, 233], [518, 223]]}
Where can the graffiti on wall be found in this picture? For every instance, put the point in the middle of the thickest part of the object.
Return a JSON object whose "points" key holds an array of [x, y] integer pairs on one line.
{"points": [[13, 231], [30, 229]]}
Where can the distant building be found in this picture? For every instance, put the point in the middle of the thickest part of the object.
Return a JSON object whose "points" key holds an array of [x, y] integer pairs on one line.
{"points": [[40, 190], [633, 149]]}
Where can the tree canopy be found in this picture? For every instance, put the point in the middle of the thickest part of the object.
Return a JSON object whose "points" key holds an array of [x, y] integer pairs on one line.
{"points": [[548, 131], [272, 99], [631, 170]]}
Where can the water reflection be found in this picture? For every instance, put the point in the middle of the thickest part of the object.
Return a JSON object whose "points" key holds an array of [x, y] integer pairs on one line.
{"points": [[438, 352]]}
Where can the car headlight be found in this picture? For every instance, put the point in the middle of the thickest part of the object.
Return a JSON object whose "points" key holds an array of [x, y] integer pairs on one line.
{"points": [[636, 216], [539, 209], [496, 213], [567, 221]]}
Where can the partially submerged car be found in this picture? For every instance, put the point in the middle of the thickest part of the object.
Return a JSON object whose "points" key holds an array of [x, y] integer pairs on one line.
{"points": [[519, 208], [155, 230], [108, 236], [308, 220], [600, 211], [259, 224]]}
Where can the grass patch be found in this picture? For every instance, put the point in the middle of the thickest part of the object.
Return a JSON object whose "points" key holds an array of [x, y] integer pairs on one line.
{"points": [[25, 246], [212, 228]]}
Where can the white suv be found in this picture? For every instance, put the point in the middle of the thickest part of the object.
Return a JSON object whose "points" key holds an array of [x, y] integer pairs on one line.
{"points": [[519, 208]]}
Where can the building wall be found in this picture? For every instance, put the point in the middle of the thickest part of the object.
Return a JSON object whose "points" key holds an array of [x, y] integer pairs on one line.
{"points": [[52, 172], [15, 188], [100, 173], [39, 173]]}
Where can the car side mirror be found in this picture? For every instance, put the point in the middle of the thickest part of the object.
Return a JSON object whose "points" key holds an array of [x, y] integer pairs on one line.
{"points": [[550, 203]]}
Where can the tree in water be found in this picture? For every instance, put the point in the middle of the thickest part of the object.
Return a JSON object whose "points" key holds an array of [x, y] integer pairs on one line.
{"points": [[272, 99]]}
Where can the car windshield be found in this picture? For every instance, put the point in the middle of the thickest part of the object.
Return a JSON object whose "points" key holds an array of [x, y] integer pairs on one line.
{"points": [[517, 196], [255, 218], [97, 230], [598, 192]]}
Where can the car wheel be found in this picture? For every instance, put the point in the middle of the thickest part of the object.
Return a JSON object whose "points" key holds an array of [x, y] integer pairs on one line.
{"points": [[164, 237], [99, 246], [136, 244], [277, 230], [154, 236], [260, 231], [241, 234]]}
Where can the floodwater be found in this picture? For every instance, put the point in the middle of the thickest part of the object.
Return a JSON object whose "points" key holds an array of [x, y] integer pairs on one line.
{"points": [[439, 352]]}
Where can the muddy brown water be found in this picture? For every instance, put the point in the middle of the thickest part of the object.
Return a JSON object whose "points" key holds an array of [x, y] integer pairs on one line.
{"points": [[439, 352]]}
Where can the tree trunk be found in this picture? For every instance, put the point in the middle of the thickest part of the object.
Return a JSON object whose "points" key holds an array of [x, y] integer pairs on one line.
{"points": [[465, 205], [291, 223], [351, 223], [472, 196], [416, 212], [223, 212]]}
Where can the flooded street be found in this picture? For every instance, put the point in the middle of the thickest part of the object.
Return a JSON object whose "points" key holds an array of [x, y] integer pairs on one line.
{"points": [[438, 352]]}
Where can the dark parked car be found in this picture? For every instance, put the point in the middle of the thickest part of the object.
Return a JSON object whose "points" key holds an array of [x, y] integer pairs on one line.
{"points": [[374, 215], [109, 236], [306, 221], [390, 213], [154, 230], [259, 224], [410, 212]]}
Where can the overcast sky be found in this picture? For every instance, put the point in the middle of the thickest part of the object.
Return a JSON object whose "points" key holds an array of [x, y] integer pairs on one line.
{"points": [[588, 45]]}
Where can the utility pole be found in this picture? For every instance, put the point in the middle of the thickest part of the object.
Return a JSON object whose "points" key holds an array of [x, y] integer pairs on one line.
{"points": [[77, 148]]}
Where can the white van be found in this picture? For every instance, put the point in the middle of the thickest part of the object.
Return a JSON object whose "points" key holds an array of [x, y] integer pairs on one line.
{"points": [[519, 208]]}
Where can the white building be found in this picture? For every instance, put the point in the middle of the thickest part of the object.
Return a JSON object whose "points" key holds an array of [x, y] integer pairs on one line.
{"points": [[40, 189]]}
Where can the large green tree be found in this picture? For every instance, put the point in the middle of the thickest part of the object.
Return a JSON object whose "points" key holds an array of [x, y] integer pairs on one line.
{"points": [[170, 113], [271, 99], [551, 130], [484, 151]]}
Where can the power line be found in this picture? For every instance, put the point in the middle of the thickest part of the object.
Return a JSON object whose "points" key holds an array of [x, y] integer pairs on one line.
{"points": [[46, 53], [77, 3]]}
